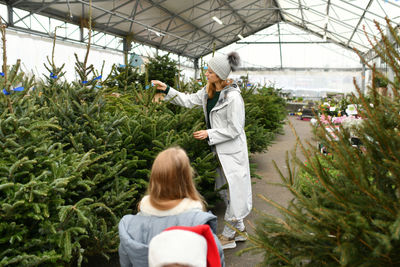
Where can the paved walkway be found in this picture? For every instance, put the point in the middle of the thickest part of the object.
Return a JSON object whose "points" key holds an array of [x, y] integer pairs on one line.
{"points": [[266, 170]]}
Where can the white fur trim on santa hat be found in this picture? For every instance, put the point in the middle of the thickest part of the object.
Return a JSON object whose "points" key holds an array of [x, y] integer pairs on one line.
{"points": [[178, 246]]}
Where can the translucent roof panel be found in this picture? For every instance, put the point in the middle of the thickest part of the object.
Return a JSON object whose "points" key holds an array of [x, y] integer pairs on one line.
{"points": [[289, 46], [348, 23]]}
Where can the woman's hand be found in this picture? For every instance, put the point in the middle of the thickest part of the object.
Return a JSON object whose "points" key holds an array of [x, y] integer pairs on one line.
{"points": [[159, 85], [200, 135]]}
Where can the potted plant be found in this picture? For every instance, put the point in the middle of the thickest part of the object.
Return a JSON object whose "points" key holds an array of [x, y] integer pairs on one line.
{"points": [[381, 84]]}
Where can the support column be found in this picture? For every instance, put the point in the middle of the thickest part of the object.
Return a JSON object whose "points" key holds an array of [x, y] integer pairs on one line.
{"points": [[126, 47], [81, 31], [179, 73], [280, 45], [10, 14], [196, 67]]}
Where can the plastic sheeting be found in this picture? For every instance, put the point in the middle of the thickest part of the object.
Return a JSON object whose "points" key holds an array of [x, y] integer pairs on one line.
{"points": [[33, 50]]}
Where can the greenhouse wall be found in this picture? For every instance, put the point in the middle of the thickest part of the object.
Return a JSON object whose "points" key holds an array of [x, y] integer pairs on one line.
{"points": [[32, 50], [308, 83]]}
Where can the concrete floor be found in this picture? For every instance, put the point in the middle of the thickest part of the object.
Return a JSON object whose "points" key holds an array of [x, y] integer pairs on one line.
{"points": [[269, 174]]}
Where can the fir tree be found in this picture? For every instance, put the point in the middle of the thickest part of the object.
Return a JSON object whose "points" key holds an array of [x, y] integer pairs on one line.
{"points": [[353, 217], [123, 77], [265, 114], [62, 173], [163, 68]]}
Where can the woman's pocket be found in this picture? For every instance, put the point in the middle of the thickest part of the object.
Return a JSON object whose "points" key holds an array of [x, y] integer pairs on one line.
{"points": [[229, 147]]}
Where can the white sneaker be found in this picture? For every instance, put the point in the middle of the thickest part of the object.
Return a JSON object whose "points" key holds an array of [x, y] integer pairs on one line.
{"points": [[226, 242], [242, 236]]}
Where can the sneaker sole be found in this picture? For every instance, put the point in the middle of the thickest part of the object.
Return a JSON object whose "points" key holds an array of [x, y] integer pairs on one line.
{"points": [[240, 238], [230, 245]]}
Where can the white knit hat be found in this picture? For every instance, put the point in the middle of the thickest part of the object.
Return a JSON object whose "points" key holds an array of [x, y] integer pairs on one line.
{"points": [[223, 65], [178, 246]]}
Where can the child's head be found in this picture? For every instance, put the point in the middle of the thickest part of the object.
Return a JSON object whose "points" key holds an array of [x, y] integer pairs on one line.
{"points": [[171, 176]]}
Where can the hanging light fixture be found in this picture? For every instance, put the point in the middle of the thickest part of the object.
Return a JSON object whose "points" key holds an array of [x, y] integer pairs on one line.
{"points": [[156, 32], [217, 20], [240, 36]]}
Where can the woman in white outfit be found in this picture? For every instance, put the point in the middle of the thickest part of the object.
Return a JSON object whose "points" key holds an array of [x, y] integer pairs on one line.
{"points": [[224, 113]]}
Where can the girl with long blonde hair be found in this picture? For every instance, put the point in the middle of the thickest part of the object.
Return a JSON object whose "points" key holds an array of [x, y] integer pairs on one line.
{"points": [[171, 200]]}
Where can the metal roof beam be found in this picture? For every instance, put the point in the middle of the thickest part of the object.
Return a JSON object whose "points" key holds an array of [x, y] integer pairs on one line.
{"points": [[10, 13], [183, 11], [147, 42], [322, 15], [208, 42], [211, 22], [167, 29], [365, 18], [328, 5], [43, 7], [348, 3], [302, 12], [133, 14], [250, 33], [280, 9], [261, 8], [112, 10], [301, 42], [174, 15], [12, 3], [141, 24], [319, 35], [35, 4], [237, 14], [359, 21]]}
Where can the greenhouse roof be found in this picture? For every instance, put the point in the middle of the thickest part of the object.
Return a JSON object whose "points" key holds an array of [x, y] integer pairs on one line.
{"points": [[194, 28]]}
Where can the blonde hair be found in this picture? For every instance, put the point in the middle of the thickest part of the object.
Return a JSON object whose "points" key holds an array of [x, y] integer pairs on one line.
{"points": [[171, 178], [211, 87]]}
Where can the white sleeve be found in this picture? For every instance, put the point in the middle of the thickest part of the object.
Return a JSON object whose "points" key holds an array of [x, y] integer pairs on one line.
{"points": [[185, 100]]}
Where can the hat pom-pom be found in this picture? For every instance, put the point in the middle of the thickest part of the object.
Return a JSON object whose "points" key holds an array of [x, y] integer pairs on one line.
{"points": [[234, 60]]}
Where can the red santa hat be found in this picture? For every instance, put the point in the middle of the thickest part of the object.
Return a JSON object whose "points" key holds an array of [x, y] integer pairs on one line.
{"points": [[193, 246]]}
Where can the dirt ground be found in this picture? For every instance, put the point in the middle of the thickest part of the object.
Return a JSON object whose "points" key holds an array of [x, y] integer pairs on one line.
{"points": [[277, 152]]}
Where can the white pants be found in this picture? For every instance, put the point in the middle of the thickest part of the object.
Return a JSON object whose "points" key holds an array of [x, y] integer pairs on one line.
{"points": [[229, 232], [220, 181]]}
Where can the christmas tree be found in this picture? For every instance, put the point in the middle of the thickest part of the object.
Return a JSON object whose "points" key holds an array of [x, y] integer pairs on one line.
{"points": [[265, 114], [350, 214]]}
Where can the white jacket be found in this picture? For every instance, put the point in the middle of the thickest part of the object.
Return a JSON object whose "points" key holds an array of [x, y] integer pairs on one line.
{"points": [[227, 120]]}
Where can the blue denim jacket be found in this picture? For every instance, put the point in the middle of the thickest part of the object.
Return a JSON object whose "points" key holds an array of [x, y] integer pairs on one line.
{"points": [[136, 231]]}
